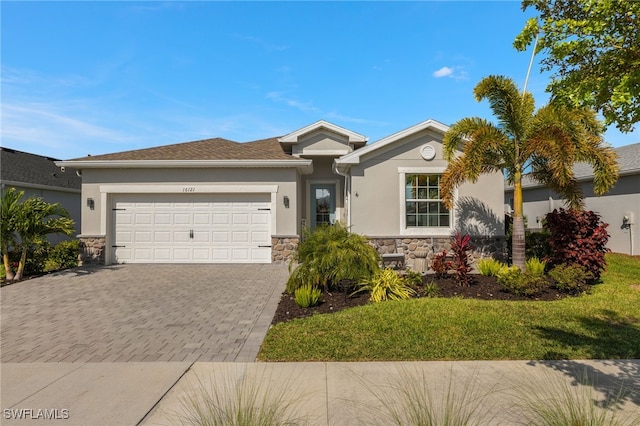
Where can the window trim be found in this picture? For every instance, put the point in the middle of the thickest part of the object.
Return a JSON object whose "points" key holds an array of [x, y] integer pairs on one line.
{"points": [[420, 230]]}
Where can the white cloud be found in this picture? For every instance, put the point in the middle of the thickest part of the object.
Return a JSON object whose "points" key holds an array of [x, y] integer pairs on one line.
{"points": [[443, 72], [457, 73]]}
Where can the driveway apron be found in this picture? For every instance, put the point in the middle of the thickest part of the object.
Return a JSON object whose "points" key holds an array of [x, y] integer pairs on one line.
{"points": [[141, 313]]}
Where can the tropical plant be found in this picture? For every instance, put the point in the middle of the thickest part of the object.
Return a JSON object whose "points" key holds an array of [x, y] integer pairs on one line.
{"points": [[536, 266], [431, 290], [578, 237], [11, 212], [38, 220], [414, 278], [331, 253], [441, 265], [489, 266], [460, 245], [387, 285], [63, 256], [307, 295], [570, 278], [594, 49], [547, 141]]}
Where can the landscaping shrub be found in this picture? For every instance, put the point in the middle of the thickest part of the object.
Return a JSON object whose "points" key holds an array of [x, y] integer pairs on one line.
{"points": [[307, 295], [431, 290], [387, 285], [63, 256], [440, 265], [537, 244], [578, 237], [460, 245], [536, 266], [570, 278], [489, 266], [513, 280], [37, 254], [331, 253], [414, 278]]}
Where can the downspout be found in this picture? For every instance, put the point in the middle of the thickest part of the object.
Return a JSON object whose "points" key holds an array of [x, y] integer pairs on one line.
{"points": [[347, 192]]}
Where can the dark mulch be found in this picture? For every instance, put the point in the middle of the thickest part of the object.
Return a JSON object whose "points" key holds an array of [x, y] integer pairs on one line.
{"points": [[485, 288]]}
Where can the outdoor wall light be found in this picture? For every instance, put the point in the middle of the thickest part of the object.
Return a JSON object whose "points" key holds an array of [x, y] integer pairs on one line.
{"points": [[90, 203], [286, 201]]}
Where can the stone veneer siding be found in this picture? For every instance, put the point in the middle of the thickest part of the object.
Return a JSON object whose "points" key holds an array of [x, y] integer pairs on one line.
{"points": [[419, 251], [282, 248], [92, 250]]}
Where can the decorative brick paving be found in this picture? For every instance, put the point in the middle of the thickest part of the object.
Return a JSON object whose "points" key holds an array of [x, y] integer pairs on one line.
{"points": [[143, 313]]}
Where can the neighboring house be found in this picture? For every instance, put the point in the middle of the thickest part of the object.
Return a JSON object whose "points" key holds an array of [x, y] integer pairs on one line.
{"points": [[216, 200], [620, 207], [38, 176]]}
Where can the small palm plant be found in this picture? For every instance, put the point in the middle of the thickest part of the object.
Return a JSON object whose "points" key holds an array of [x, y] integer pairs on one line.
{"points": [[329, 254]]}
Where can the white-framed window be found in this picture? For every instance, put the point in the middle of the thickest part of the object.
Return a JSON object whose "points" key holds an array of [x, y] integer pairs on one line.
{"points": [[422, 209]]}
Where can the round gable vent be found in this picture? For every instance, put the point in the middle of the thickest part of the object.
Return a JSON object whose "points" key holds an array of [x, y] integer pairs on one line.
{"points": [[428, 152]]}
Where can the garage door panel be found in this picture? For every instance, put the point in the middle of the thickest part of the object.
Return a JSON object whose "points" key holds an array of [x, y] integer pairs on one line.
{"points": [[217, 228], [162, 219], [240, 219]]}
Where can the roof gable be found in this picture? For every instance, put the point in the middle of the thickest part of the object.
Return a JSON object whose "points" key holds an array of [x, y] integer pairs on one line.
{"points": [[295, 137], [379, 146]]}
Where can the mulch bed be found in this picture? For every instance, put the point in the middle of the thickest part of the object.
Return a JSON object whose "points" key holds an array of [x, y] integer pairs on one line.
{"points": [[485, 288]]}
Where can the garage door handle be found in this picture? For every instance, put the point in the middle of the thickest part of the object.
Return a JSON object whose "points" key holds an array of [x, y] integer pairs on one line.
{"points": [[263, 246], [117, 246], [191, 233]]}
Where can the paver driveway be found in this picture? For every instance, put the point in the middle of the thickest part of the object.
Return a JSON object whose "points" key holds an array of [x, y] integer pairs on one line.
{"points": [[141, 313]]}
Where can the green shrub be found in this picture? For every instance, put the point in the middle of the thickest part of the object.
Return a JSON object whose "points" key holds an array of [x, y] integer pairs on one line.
{"points": [[37, 254], [331, 253], [570, 278], [536, 266], [489, 266], [513, 280], [431, 290], [307, 295], [414, 278], [387, 285], [63, 256]]}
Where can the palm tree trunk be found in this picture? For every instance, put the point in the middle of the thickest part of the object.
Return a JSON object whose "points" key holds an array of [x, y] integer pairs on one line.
{"points": [[23, 261], [8, 272], [517, 237]]}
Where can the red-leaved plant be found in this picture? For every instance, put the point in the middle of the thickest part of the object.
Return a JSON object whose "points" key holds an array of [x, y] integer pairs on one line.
{"points": [[441, 265], [461, 245], [577, 238]]}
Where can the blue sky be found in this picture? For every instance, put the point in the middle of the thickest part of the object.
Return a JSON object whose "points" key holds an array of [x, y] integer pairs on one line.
{"points": [[84, 78]]}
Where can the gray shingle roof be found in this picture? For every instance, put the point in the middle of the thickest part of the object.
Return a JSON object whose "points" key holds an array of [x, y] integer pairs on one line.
{"points": [[207, 149], [22, 167], [628, 159]]}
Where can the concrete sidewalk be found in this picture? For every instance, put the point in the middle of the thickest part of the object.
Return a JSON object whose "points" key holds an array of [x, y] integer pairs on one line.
{"points": [[322, 393]]}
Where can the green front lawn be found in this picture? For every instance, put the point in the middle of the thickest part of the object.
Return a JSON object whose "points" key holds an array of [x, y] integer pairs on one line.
{"points": [[602, 324]]}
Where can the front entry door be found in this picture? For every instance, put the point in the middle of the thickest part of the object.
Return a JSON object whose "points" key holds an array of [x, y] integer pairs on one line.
{"points": [[323, 204]]}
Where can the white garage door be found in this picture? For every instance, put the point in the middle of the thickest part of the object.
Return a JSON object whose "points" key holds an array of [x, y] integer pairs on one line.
{"points": [[192, 228]]}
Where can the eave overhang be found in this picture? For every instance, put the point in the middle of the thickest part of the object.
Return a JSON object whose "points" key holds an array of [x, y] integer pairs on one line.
{"points": [[303, 165]]}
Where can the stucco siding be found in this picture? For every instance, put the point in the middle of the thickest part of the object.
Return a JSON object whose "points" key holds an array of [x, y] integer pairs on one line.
{"points": [[378, 195], [623, 198]]}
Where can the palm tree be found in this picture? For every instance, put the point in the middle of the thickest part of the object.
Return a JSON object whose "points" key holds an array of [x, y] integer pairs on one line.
{"points": [[40, 219], [546, 143], [10, 212]]}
